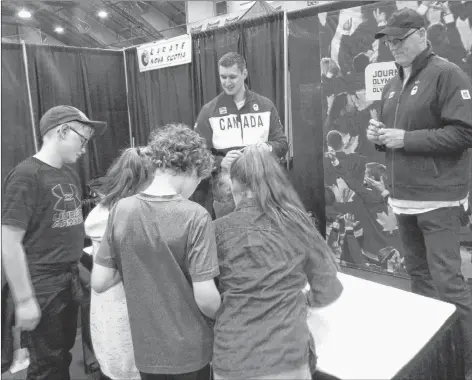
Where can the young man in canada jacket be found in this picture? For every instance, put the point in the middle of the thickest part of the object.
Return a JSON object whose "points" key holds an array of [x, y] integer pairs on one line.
{"points": [[233, 120], [425, 128]]}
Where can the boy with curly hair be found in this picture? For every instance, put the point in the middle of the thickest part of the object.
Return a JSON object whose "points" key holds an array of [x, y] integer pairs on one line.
{"points": [[162, 246]]}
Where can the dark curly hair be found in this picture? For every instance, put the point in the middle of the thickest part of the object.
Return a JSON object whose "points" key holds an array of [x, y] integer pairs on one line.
{"points": [[176, 147]]}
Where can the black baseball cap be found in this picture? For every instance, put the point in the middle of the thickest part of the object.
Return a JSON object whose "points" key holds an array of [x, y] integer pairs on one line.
{"points": [[401, 22], [62, 114]]}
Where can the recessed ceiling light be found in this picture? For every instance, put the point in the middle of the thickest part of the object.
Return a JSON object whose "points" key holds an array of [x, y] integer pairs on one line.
{"points": [[102, 14], [59, 29], [24, 14]]}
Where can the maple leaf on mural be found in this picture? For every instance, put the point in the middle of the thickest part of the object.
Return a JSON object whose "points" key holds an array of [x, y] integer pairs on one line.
{"points": [[350, 144], [342, 192], [387, 221]]}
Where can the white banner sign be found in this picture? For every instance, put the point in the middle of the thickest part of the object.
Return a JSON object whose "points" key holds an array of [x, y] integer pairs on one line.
{"points": [[172, 52], [376, 77]]}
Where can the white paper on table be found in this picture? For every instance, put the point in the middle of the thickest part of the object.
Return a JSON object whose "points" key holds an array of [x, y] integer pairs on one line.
{"points": [[372, 331]]}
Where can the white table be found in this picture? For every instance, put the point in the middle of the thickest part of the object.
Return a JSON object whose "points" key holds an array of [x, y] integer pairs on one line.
{"points": [[372, 331]]}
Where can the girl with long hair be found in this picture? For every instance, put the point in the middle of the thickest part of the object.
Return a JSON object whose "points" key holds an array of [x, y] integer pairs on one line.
{"points": [[162, 246], [267, 250], [109, 322]]}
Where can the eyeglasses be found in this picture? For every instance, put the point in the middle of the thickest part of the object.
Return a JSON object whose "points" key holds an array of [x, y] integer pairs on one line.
{"points": [[84, 139], [398, 41]]}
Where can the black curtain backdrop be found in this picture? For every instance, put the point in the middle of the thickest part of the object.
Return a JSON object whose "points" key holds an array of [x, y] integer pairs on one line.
{"points": [[207, 49], [306, 172], [94, 82], [263, 48], [17, 132], [158, 97]]}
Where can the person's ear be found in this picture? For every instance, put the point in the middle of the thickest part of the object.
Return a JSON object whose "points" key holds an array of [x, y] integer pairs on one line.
{"points": [[62, 131], [245, 73]]}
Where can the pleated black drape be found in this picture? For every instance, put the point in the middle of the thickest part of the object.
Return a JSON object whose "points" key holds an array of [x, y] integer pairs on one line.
{"points": [[158, 97], [17, 132], [94, 82], [263, 48], [207, 49], [307, 123]]}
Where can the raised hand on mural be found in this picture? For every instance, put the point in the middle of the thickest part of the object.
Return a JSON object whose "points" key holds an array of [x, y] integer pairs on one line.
{"points": [[443, 6], [379, 185], [380, 17], [347, 26], [349, 222]]}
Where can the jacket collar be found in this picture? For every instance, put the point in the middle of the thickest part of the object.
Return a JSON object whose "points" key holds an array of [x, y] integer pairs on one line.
{"points": [[249, 95], [246, 203], [419, 63]]}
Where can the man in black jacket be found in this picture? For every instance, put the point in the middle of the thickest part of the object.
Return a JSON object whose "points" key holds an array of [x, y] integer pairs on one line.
{"points": [[425, 128]]}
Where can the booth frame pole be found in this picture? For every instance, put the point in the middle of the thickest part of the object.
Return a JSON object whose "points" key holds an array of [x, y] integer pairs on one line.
{"points": [[131, 140], [30, 99], [286, 89]]}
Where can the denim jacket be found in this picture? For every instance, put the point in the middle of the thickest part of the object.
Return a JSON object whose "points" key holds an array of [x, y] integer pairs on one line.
{"points": [[261, 327]]}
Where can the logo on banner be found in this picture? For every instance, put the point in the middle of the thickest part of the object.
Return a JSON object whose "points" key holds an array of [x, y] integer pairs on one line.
{"points": [[255, 107], [414, 90], [145, 57], [465, 94], [223, 111], [390, 96]]}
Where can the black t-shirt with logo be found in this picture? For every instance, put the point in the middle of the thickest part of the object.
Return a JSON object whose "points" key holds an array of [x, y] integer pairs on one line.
{"points": [[46, 202]]}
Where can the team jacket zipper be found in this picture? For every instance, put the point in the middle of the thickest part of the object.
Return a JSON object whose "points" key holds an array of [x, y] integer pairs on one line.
{"points": [[395, 127]]}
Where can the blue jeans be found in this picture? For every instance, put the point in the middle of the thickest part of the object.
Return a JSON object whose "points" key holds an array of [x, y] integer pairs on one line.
{"points": [[431, 243], [59, 295]]}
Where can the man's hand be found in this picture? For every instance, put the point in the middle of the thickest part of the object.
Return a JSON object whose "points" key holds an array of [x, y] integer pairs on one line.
{"points": [[228, 160], [27, 314], [264, 146], [373, 131], [392, 138]]}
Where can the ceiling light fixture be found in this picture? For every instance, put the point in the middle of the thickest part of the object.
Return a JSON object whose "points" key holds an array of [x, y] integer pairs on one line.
{"points": [[102, 14], [59, 29], [24, 14]]}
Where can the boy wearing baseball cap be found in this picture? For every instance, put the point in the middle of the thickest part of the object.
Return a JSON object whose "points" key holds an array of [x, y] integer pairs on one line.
{"points": [[42, 241]]}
